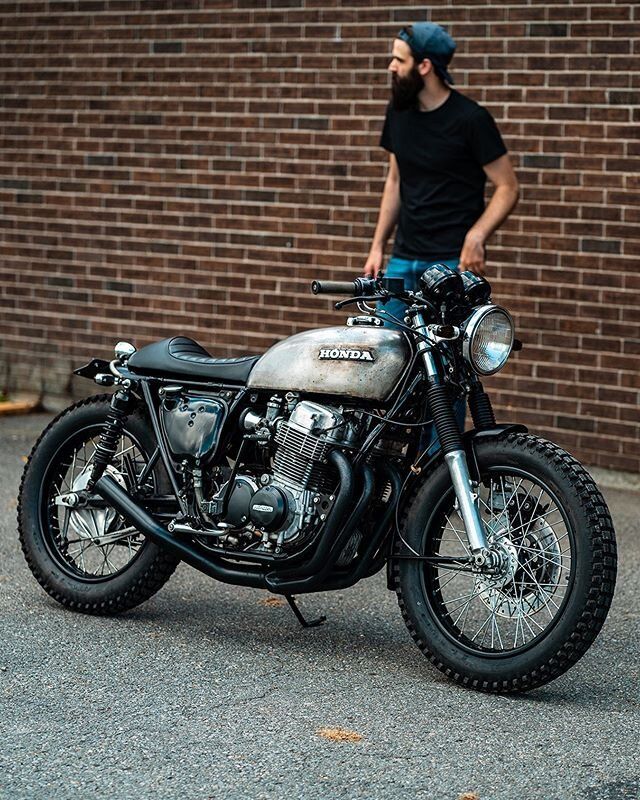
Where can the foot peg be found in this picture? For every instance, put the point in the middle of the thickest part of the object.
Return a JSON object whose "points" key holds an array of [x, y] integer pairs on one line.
{"points": [[312, 623]]}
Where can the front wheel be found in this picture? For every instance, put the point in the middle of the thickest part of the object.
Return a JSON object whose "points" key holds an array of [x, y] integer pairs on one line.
{"points": [[530, 621]]}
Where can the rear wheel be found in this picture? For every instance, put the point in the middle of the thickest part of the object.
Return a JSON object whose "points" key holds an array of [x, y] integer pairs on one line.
{"points": [[88, 557], [535, 616]]}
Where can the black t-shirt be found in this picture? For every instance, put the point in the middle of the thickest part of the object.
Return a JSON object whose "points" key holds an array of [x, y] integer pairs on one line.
{"points": [[440, 154]]}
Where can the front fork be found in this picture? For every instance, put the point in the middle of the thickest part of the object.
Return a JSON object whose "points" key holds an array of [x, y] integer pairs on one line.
{"points": [[454, 453]]}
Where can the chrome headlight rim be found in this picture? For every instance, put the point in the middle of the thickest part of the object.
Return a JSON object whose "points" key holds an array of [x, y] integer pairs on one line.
{"points": [[471, 327]]}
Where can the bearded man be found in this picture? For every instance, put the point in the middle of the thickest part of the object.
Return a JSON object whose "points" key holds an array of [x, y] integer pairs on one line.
{"points": [[442, 147]]}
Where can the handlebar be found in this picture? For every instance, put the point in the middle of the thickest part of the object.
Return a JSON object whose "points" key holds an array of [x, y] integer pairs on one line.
{"points": [[359, 286]]}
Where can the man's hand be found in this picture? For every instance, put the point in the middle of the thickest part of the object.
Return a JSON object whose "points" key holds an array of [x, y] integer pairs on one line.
{"points": [[374, 262], [472, 256]]}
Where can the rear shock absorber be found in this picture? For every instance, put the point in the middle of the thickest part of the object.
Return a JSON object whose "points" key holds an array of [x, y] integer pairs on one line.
{"points": [[481, 409], [111, 433]]}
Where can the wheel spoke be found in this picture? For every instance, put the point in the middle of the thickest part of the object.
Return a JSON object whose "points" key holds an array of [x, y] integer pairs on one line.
{"points": [[542, 594], [82, 549], [449, 579], [466, 614], [457, 533], [73, 470], [497, 633], [65, 529], [464, 597], [539, 555], [504, 610], [107, 560], [480, 629], [116, 548], [461, 612], [518, 528]]}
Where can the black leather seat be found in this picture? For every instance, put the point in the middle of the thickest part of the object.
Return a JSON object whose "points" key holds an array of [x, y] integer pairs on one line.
{"points": [[181, 356]]}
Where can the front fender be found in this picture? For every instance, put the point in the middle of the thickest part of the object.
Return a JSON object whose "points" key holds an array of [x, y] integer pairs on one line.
{"points": [[469, 439], [497, 430]]}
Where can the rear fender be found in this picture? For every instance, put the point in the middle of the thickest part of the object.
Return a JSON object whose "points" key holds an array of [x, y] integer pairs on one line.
{"points": [[96, 366], [98, 371]]}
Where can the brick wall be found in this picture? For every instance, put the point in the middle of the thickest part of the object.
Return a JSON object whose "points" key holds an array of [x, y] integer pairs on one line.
{"points": [[191, 166]]}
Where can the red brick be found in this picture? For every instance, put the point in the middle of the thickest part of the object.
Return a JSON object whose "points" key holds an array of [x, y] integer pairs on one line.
{"points": [[195, 175]]}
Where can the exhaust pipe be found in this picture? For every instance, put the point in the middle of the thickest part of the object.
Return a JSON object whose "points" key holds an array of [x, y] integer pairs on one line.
{"points": [[107, 488], [305, 579], [311, 575]]}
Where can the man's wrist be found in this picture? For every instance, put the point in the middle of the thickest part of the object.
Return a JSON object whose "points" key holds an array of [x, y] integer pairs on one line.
{"points": [[477, 236]]}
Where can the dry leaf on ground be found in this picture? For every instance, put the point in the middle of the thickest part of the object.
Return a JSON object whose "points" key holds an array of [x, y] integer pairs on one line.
{"points": [[339, 735], [272, 602]]}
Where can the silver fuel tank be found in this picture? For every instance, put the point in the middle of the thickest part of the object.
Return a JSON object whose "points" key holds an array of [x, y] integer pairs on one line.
{"points": [[362, 362]]}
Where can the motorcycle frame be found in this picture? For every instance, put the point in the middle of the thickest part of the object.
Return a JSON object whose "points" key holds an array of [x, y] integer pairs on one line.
{"points": [[289, 573]]}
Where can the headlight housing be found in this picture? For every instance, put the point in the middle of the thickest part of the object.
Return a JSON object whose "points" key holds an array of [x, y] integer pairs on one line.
{"points": [[488, 339]]}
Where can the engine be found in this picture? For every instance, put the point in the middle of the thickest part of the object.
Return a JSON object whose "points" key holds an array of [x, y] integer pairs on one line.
{"points": [[289, 503]]}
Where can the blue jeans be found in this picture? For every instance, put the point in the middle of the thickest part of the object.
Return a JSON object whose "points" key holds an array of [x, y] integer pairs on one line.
{"points": [[410, 272]]}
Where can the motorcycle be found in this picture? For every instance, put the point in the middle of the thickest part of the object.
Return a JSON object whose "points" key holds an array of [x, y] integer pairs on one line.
{"points": [[308, 469]]}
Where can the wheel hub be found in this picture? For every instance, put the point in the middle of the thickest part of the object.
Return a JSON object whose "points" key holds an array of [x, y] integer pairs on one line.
{"points": [[520, 585], [92, 523], [491, 587]]}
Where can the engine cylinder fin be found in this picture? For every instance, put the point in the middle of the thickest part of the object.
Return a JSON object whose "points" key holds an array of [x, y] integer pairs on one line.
{"points": [[301, 458]]}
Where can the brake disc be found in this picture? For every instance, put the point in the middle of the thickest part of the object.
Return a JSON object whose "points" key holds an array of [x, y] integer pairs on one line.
{"points": [[524, 584]]}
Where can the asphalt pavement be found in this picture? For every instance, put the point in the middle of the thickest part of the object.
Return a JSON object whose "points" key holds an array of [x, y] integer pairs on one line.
{"points": [[208, 691]]}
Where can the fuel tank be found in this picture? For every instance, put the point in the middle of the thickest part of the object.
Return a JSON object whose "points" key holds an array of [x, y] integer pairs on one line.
{"points": [[361, 362]]}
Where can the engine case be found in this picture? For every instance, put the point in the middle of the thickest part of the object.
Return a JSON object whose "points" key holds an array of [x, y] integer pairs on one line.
{"points": [[296, 497], [364, 363]]}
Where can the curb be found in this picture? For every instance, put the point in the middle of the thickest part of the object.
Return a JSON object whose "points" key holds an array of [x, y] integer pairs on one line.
{"points": [[614, 479], [19, 406]]}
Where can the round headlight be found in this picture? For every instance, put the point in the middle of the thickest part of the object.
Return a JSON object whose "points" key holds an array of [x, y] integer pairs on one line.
{"points": [[488, 339]]}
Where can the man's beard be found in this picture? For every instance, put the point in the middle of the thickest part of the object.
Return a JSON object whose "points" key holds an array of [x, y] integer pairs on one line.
{"points": [[405, 91]]}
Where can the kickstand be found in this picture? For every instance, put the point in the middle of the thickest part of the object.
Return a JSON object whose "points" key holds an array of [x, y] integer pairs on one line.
{"points": [[312, 624]]}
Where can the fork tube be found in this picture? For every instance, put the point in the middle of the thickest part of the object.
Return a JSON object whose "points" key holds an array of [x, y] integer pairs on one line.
{"points": [[459, 472], [452, 447]]}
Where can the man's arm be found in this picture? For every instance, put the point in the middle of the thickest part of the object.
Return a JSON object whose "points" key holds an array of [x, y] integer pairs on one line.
{"points": [[501, 174], [387, 218]]}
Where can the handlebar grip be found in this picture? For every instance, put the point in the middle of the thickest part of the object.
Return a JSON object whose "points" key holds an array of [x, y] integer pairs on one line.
{"points": [[334, 287]]}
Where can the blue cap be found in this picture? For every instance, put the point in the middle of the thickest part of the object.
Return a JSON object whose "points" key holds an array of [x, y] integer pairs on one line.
{"points": [[428, 40]]}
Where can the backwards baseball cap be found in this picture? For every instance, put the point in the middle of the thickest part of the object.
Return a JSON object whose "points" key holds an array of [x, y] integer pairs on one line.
{"points": [[428, 40]]}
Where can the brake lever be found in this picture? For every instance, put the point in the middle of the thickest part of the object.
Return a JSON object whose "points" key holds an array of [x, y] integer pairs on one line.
{"points": [[406, 296]]}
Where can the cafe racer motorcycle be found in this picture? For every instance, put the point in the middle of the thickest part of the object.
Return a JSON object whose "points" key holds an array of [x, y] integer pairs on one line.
{"points": [[308, 468]]}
